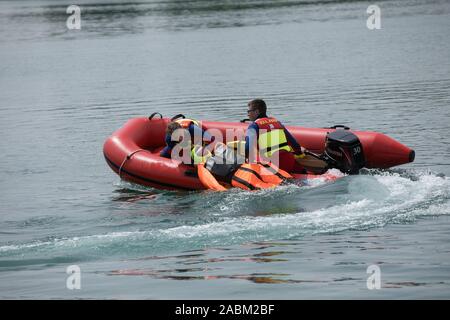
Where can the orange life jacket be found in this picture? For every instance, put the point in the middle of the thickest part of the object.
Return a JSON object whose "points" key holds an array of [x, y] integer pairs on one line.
{"points": [[248, 177], [272, 174], [208, 179], [185, 123]]}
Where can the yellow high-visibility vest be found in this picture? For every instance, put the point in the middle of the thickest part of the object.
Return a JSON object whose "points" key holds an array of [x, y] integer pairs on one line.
{"points": [[271, 137]]}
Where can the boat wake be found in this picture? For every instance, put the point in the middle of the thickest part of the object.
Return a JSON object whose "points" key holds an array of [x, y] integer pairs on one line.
{"points": [[363, 202]]}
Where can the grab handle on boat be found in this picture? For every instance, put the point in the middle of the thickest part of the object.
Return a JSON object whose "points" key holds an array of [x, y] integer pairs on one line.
{"points": [[154, 114], [339, 126], [178, 116]]}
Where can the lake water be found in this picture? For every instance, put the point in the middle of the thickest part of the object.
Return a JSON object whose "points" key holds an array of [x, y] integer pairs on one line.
{"points": [[63, 92]]}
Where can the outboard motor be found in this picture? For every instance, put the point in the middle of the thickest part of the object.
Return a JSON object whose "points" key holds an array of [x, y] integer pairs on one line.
{"points": [[344, 151]]}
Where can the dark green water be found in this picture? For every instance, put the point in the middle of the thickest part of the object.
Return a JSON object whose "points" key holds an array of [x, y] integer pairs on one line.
{"points": [[63, 92]]}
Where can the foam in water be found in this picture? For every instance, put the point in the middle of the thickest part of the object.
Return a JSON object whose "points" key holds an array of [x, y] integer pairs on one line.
{"points": [[356, 202]]}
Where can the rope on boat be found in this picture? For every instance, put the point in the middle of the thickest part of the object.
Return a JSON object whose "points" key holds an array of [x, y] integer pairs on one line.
{"points": [[128, 157]]}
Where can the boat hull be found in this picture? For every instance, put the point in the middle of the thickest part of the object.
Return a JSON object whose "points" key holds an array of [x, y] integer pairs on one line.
{"points": [[133, 151]]}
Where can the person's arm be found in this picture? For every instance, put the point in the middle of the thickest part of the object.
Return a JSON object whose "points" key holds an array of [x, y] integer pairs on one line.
{"points": [[251, 138], [292, 142], [165, 153]]}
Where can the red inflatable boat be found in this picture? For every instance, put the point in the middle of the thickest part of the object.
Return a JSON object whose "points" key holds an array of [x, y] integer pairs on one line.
{"points": [[133, 151]]}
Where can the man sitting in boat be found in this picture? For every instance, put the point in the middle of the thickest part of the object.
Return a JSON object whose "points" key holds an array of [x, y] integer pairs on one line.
{"points": [[273, 141], [191, 132], [227, 168]]}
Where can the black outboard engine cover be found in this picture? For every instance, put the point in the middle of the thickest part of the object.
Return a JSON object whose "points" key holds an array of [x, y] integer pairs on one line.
{"points": [[344, 151]]}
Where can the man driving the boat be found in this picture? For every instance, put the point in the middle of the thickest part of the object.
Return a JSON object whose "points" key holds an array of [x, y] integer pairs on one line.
{"points": [[267, 138]]}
